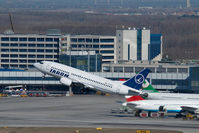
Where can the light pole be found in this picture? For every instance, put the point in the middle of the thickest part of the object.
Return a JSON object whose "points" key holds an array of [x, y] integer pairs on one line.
{"points": [[70, 55], [88, 61], [70, 88]]}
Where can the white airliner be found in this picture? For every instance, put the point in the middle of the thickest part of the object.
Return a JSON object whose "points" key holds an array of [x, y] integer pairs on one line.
{"points": [[175, 105], [69, 75], [148, 88], [172, 96]]}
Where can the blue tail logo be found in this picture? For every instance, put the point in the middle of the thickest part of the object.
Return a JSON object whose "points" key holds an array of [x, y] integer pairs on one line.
{"points": [[137, 81]]}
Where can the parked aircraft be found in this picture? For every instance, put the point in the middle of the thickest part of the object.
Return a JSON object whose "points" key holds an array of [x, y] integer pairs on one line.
{"points": [[174, 105], [151, 93], [69, 75]]}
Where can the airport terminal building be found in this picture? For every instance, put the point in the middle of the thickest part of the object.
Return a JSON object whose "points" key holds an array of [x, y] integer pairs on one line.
{"points": [[164, 77], [138, 44], [22, 50], [114, 57], [103, 45]]}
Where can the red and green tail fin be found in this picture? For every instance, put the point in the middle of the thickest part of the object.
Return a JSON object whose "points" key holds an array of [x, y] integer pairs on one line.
{"points": [[147, 87], [133, 98]]}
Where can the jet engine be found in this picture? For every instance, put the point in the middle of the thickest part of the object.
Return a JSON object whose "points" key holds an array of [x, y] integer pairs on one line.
{"points": [[144, 95], [66, 81], [121, 90], [196, 111], [162, 109]]}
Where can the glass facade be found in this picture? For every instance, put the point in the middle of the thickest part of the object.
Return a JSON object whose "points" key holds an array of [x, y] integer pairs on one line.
{"points": [[177, 78], [106, 40], [96, 40], [129, 51], [5, 39], [106, 51], [108, 57], [23, 39], [194, 78], [118, 69], [106, 46], [91, 63], [155, 46], [180, 83], [139, 44], [128, 69], [28, 78]]}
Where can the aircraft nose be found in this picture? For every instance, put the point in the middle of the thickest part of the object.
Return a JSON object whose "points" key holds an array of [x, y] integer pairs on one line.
{"points": [[36, 65]]}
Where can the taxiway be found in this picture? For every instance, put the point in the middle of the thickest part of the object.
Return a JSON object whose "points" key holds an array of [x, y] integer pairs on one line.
{"points": [[80, 111]]}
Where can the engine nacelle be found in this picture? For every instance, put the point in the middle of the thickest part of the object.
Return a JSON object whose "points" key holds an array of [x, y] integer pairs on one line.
{"points": [[196, 111], [121, 90], [144, 95], [162, 109], [66, 81]]}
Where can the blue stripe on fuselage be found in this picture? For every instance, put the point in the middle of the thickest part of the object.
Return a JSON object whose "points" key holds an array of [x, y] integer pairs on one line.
{"points": [[169, 111]]}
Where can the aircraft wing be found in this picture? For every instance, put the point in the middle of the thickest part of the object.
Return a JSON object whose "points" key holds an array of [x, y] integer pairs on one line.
{"points": [[190, 109], [68, 82], [88, 86], [84, 84], [75, 82]]}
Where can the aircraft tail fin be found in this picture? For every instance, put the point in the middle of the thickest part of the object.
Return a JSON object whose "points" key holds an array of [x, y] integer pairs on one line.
{"points": [[133, 98], [147, 87], [136, 81]]}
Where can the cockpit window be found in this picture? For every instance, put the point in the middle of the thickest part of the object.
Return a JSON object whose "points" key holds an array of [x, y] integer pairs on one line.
{"points": [[41, 62]]}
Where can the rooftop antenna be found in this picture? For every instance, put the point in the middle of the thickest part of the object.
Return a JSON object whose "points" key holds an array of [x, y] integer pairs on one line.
{"points": [[188, 4], [11, 22], [108, 2], [121, 2]]}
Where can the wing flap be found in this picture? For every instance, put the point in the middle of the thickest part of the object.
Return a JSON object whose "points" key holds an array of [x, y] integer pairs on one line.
{"points": [[88, 86]]}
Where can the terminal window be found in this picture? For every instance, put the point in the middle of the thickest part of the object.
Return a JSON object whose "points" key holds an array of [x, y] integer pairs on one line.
{"points": [[22, 39], [14, 39], [5, 39], [32, 39]]}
